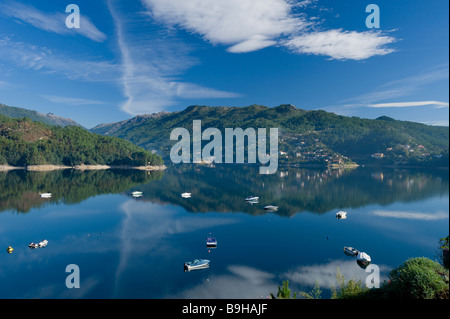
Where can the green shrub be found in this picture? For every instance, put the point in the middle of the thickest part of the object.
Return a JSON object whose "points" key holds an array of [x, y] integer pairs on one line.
{"points": [[284, 292], [348, 290], [315, 293], [419, 278]]}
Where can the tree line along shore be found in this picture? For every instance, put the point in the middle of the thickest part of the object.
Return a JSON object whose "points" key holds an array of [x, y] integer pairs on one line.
{"points": [[25, 144], [80, 167]]}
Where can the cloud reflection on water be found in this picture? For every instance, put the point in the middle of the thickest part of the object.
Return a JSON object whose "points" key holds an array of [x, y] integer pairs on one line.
{"points": [[244, 282], [241, 282], [147, 225], [411, 215], [325, 274]]}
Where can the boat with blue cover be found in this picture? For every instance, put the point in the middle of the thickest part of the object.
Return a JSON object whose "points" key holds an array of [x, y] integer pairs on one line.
{"points": [[211, 242]]}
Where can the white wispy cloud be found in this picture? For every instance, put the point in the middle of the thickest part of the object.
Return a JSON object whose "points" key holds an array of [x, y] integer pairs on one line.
{"points": [[71, 100], [435, 104], [248, 25], [40, 58], [305, 3], [148, 73], [50, 22], [402, 87], [342, 45], [151, 67], [385, 95]]}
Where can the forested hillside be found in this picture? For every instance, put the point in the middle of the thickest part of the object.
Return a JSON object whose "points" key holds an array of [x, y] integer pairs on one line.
{"points": [[25, 142], [49, 118], [305, 136]]}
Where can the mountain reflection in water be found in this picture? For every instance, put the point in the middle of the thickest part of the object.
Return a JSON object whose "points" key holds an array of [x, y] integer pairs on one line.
{"points": [[224, 187]]}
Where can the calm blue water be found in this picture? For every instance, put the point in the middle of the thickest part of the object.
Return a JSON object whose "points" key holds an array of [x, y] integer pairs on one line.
{"points": [[129, 247]]}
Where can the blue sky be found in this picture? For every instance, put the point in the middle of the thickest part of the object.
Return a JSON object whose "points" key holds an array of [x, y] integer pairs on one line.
{"points": [[145, 56]]}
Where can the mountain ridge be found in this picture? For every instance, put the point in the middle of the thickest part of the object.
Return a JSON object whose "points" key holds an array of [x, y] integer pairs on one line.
{"points": [[314, 136], [306, 137], [136, 119], [49, 118]]}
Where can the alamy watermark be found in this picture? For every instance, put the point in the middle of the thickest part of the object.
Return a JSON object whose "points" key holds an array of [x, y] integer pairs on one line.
{"points": [[373, 279], [73, 280], [73, 19], [373, 19], [213, 151]]}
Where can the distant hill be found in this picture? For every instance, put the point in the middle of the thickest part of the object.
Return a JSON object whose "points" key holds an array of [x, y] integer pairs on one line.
{"points": [[111, 128], [24, 142], [49, 118], [305, 136]]}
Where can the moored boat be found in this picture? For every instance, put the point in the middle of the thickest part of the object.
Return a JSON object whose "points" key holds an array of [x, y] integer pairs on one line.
{"points": [[136, 194], [211, 242], [33, 245], [43, 243], [341, 215], [350, 251], [363, 260], [196, 264]]}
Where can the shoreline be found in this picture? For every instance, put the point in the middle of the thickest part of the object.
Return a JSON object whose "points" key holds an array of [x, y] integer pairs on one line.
{"points": [[83, 167]]}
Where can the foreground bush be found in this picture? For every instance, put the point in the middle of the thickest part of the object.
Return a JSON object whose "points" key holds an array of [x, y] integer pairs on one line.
{"points": [[419, 278]]}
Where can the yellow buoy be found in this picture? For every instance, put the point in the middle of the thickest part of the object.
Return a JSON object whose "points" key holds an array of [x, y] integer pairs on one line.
{"points": [[9, 249]]}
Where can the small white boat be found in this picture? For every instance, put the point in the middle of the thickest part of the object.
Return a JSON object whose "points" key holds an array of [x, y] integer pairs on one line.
{"points": [[33, 245], [196, 264], [363, 260], [341, 215], [350, 251], [211, 242], [271, 207], [46, 195], [43, 243], [363, 257], [136, 194], [186, 195], [251, 202], [252, 198]]}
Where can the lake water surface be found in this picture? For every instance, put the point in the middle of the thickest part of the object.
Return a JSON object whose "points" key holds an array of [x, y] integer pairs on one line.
{"points": [[128, 247]]}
